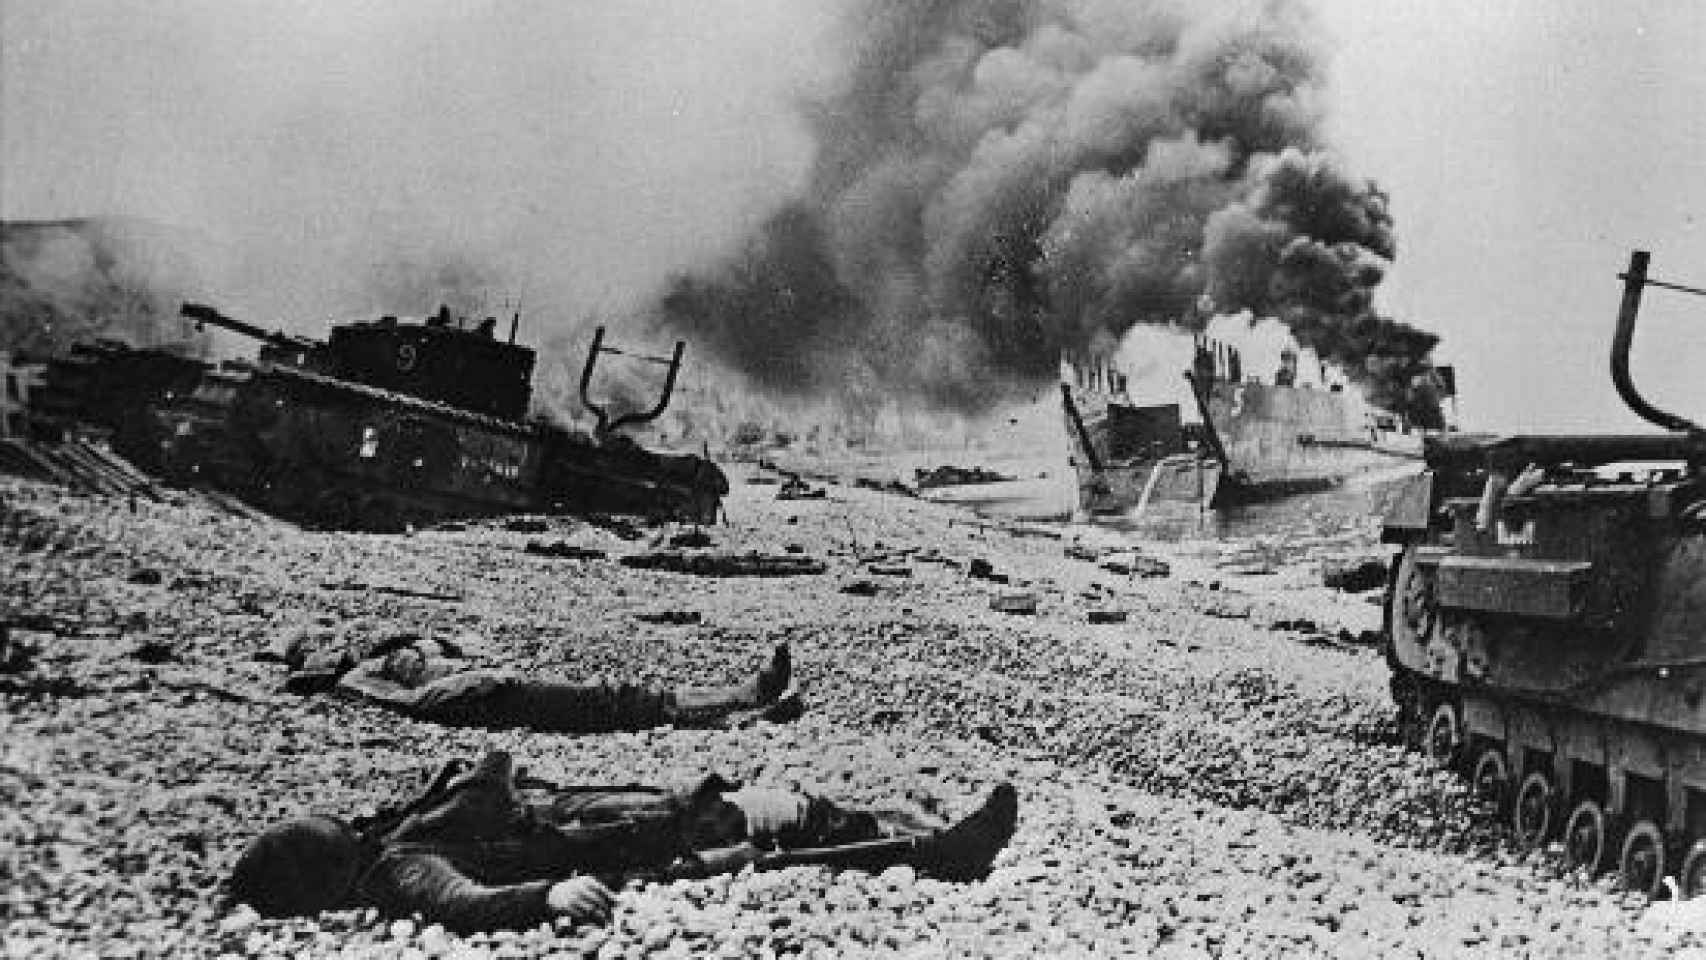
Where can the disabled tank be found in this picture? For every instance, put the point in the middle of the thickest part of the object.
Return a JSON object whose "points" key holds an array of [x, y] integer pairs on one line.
{"points": [[1546, 629], [381, 425]]}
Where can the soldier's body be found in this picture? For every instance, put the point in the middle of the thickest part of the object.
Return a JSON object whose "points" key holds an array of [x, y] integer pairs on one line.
{"points": [[437, 690], [482, 851]]}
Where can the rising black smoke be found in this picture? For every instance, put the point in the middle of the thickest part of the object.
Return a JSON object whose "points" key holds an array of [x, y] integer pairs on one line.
{"points": [[997, 182]]}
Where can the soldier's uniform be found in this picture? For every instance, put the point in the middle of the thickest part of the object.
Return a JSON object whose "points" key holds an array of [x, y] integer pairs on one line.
{"points": [[480, 850], [437, 690]]}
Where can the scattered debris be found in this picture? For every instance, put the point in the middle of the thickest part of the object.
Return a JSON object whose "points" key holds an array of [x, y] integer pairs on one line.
{"points": [[1242, 568], [797, 489], [18, 648], [1031, 530], [77, 464], [1014, 601], [1079, 550], [1130, 563], [751, 564], [946, 476], [1011, 529], [1226, 607], [1354, 575], [147, 576], [1107, 616], [622, 527], [889, 569], [861, 588], [674, 618], [982, 569], [693, 539], [356, 585], [885, 486], [563, 550]]}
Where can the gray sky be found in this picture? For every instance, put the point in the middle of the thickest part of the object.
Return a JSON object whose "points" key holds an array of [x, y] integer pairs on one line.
{"points": [[582, 146], [1528, 146]]}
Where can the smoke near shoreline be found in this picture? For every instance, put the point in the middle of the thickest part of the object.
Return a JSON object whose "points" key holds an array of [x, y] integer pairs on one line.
{"points": [[998, 183], [70, 281], [350, 159], [844, 205]]}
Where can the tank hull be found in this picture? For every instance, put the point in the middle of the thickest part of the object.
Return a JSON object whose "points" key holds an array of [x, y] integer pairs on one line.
{"points": [[1552, 645], [333, 453]]}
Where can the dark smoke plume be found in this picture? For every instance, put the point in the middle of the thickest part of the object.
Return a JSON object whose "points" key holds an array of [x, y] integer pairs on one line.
{"points": [[71, 281], [998, 182], [1308, 243]]}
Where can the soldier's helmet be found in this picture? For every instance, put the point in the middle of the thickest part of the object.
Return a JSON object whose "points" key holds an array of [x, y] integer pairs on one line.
{"points": [[298, 868]]}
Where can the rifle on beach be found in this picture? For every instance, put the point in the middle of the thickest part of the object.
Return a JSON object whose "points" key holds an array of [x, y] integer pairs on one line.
{"points": [[864, 853]]}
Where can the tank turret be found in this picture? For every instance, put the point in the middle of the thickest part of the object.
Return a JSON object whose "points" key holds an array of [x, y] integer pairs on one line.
{"points": [[432, 360]]}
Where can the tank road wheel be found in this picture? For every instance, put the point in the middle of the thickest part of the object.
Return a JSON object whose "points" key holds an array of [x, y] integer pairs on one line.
{"points": [[1586, 837], [1491, 780], [1691, 879], [1444, 739], [1641, 865], [1413, 610], [1531, 811]]}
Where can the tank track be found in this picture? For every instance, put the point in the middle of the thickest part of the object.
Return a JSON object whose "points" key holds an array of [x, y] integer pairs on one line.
{"points": [[620, 478], [1618, 795]]}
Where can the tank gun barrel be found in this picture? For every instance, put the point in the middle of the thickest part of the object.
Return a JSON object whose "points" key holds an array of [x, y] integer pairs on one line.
{"points": [[203, 315]]}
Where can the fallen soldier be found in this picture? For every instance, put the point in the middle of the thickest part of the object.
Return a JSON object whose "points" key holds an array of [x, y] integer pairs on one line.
{"points": [[438, 690], [485, 850]]}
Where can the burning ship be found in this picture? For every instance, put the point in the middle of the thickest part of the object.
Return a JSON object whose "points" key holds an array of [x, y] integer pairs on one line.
{"points": [[1239, 411]]}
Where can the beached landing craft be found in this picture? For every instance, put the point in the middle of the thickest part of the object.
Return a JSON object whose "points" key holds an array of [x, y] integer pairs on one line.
{"points": [[384, 424], [1240, 434], [1546, 629]]}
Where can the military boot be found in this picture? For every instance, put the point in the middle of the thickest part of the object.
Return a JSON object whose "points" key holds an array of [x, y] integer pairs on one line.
{"points": [[965, 850], [768, 696]]}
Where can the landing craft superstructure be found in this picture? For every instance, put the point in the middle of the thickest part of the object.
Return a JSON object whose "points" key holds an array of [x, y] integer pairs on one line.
{"points": [[1238, 433], [1546, 630], [382, 424]]}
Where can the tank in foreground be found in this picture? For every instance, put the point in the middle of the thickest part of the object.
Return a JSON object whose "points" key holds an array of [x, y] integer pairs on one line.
{"points": [[1546, 630]]}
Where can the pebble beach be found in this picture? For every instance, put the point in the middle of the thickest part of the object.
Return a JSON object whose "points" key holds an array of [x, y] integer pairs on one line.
{"points": [[1200, 733]]}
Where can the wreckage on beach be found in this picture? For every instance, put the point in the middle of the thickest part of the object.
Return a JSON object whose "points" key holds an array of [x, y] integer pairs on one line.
{"points": [[383, 425], [1242, 430]]}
